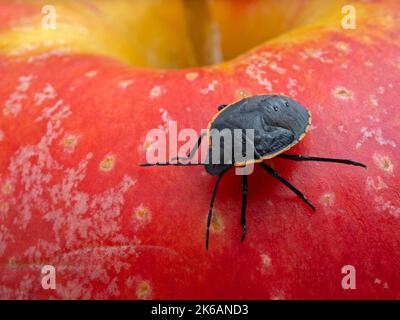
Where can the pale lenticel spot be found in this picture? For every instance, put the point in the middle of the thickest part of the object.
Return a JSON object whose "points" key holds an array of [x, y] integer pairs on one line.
{"points": [[343, 93], [7, 188], [384, 163], [91, 74], [265, 261], [69, 142], [242, 93], [327, 199], [107, 164], [157, 91], [142, 213], [143, 290], [125, 83], [191, 76], [217, 224]]}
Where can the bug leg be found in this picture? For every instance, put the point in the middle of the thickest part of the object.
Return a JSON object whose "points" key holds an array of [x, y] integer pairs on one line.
{"points": [[222, 106], [192, 152], [169, 164], [297, 157], [244, 205], [211, 208], [275, 174]]}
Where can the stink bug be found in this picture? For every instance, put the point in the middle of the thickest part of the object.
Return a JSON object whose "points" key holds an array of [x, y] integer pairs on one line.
{"points": [[278, 123]]}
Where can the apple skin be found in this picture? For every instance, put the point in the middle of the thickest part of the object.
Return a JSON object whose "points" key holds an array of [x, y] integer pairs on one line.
{"points": [[73, 131]]}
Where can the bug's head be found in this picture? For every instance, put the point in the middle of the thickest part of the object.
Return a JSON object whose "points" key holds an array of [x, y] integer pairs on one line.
{"points": [[284, 110]]}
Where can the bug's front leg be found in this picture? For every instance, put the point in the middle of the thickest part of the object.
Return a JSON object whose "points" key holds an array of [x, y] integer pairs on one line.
{"points": [[192, 152]]}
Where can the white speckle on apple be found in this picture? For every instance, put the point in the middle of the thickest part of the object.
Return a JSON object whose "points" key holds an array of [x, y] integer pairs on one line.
{"points": [[378, 185], [91, 74], [317, 54], [374, 119], [368, 64], [342, 129], [374, 101], [125, 83], [24, 48], [13, 104], [274, 67], [278, 296], [209, 88], [265, 261], [52, 53], [381, 90], [48, 93], [5, 238], [77, 217], [292, 85], [374, 133], [342, 46], [258, 74], [386, 206], [157, 91]]}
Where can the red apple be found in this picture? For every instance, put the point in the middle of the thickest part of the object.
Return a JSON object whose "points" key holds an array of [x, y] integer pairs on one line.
{"points": [[76, 107]]}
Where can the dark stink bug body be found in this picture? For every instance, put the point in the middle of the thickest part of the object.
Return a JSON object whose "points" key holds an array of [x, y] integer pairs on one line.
{"points": [[278, 123]]}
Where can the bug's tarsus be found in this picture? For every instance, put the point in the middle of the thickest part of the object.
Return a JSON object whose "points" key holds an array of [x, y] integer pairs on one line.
{"points": [[222, 106], [192, 152], [244, 205], [298, 157], [209, 217], [275, 174]]}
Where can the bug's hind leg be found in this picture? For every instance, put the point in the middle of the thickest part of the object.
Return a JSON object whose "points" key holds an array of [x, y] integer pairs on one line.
{"points": [[209, 217], [192, 152], [275, 174], [297, 157], [244, 205]]}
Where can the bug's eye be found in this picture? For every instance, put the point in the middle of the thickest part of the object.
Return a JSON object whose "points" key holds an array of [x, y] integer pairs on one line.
{"points": [[275, 108], [287, 104]]}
